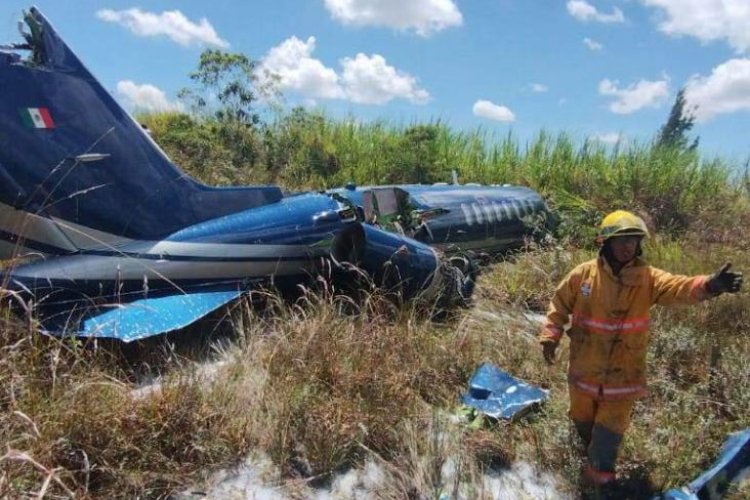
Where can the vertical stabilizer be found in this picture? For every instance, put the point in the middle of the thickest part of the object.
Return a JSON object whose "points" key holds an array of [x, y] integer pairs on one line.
{"points": [[70, 153]]}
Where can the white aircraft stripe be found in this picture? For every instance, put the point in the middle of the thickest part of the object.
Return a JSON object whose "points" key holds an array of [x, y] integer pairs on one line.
{"points": [[468, 214], [87, 238], [508, 210], [488, 212], [498, 211], [34, 227], [516, 209], [93, 267], [217, 250], [477, 213]]}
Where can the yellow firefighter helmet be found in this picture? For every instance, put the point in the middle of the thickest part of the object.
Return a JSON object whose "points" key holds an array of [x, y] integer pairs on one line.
{"points": [[621, 223]]}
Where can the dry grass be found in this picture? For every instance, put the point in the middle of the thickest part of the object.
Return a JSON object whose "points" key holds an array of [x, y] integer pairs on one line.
{"points": [[325, 384]]}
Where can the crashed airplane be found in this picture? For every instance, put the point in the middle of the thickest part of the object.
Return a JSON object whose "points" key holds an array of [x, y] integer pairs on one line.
{"points": [[108, 238], [116, 241]]}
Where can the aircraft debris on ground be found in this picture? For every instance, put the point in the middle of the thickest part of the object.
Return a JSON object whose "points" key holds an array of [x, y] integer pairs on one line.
{"points": [[497, 394], [732, 467]]}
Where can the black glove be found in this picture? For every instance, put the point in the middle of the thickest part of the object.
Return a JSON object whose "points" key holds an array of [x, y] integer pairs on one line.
{"points": [[724, 280]]}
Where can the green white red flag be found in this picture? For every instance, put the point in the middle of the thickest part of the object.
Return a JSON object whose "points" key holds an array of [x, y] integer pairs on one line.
{"points": [[37, 118]]}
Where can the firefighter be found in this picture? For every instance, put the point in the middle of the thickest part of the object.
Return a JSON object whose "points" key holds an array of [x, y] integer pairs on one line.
{"points": [[606, 303]]}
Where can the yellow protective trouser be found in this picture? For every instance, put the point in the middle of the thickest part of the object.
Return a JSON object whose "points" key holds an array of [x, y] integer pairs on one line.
{"points": [[601, 425]]}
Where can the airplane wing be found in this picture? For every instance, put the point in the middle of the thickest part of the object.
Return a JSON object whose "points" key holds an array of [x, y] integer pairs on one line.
{"points": [[147, 317]]}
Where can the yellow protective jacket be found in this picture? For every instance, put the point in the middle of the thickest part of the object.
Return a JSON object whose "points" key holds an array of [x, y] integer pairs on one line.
{"points": [[609, 322]]}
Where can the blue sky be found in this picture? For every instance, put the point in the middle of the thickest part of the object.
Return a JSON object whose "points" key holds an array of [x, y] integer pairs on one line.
{"points": [[604, 69]]}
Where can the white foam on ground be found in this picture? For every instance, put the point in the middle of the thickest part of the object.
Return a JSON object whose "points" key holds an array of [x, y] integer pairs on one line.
{"points": [[520, 481], [356, 484], [247, 481], [205, 372]]}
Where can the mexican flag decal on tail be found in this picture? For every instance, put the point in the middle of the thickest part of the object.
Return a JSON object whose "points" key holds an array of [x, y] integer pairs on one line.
{"points": [[37, 118]]}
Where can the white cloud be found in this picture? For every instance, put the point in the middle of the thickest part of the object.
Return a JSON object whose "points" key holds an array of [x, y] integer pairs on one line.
{"points": [[425, 17], [145, 97], [539, 87], [637, 96], [297, 70], [592, 44], [610, 138], [491, 111], [584, 11], [725, 90], [370, 80], [363, 79], [172, 24], [707, 20]]}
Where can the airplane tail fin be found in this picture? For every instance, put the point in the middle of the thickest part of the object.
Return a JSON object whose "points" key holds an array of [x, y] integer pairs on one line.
{"points": [[78, 165]]}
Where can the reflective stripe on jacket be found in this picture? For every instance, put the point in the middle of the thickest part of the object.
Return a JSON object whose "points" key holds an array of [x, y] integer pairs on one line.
{"points": [[609, 321]]}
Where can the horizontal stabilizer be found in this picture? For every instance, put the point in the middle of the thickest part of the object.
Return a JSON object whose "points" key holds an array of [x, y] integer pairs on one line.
{"points": [[148, 317]]}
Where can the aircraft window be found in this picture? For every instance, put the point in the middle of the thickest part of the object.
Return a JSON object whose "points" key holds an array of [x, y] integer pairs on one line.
{"points": [[388, 206], [387, 200]]}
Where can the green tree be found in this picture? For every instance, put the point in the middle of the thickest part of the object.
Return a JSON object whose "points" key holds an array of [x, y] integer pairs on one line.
{"points": [[418, 156], [225, 94], [680, 121], [231, 80]]}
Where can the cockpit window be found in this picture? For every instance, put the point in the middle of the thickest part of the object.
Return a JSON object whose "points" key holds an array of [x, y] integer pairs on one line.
{"points": [[387, 201], [387, 206]]}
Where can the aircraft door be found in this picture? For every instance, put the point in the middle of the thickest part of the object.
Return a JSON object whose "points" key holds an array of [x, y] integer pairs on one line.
{"points": [[370, 207]]}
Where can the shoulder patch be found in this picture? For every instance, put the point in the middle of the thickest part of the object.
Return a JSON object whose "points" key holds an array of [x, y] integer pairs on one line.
{"points": [[586, 288]]}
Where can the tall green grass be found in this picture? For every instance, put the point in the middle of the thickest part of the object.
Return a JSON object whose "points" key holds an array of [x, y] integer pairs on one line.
{"points": [[671, 187]]}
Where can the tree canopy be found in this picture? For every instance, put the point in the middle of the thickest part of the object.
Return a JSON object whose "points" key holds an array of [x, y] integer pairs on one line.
{"points": [[680, 121]]}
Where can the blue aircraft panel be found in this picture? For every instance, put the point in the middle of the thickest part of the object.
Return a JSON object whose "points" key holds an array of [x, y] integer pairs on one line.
{"points": [[147, 317], [733, 465], [498, 394]]}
